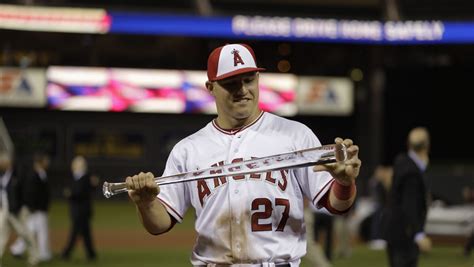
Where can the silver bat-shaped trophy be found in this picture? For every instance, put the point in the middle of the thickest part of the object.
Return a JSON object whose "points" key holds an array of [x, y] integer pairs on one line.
{"points": [[297, 159]]}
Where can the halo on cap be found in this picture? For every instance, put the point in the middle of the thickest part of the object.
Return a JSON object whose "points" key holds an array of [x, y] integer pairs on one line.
{"points": [[230, 60]]}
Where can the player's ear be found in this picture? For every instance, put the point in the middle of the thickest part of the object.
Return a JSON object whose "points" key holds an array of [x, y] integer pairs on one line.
{"points": [[210, 87]]}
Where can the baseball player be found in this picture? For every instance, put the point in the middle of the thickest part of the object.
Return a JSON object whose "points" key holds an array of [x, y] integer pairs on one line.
{"points": [[244, 220]]}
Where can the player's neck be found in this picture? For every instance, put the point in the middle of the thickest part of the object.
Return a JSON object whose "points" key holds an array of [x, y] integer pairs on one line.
{"points": [[230, 123]]}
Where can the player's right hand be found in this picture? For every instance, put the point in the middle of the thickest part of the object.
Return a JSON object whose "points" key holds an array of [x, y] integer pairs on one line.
{"points": [[142, 188]]}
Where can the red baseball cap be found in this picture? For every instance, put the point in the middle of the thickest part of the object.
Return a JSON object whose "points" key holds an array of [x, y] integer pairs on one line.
{"points": [[229, 60]]}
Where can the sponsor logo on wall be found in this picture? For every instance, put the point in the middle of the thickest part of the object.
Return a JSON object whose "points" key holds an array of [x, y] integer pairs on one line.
{"points": [[22, 87]]}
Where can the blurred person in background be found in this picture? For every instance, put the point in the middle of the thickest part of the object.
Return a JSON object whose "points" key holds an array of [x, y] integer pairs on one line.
{"points": [[80, 200], [323, 226], [379, 184], [314, 251], [10, 205], [468, 195], [343, 234], [34, 213], [408, 202]]}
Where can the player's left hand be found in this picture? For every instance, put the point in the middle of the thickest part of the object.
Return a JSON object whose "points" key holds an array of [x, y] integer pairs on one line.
{"points": [[344, 171]]}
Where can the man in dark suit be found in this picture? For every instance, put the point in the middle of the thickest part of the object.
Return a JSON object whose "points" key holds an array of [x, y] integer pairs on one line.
{"points": [[10, 204], [407, 203], [80, 201], [36, 198]]}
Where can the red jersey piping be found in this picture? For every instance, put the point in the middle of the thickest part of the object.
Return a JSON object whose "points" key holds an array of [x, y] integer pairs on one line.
{"points": [[236, 130]]}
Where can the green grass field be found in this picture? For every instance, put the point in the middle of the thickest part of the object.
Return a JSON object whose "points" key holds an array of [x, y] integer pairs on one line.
{"points": [[121, 241]]}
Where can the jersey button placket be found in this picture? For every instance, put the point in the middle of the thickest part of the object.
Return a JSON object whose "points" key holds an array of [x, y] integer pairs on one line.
{"points": [[237, 197], [236, 142], [233, 148]]}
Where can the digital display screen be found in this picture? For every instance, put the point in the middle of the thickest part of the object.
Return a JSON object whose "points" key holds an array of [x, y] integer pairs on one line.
{"points": [[162, 91]]}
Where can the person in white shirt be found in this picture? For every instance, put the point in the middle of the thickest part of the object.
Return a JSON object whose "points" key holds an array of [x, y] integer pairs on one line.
{"points": [[36, 196], [10, 204]]}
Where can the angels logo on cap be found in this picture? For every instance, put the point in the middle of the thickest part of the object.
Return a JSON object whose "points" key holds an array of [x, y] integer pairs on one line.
{"points": [[230, 60]]}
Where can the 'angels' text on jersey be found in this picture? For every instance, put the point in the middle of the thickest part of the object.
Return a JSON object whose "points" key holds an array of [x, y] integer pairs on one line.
{"points": [[276, 178]]}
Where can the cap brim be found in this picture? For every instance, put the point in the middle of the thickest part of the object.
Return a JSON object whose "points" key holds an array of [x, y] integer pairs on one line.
{"points": [[236, 72]]}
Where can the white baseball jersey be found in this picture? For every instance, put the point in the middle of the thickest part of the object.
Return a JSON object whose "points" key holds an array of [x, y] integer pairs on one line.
{"points": [[255, 218]]}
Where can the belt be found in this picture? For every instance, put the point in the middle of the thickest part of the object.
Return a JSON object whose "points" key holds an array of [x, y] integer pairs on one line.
{"points": [[252, 265]]}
